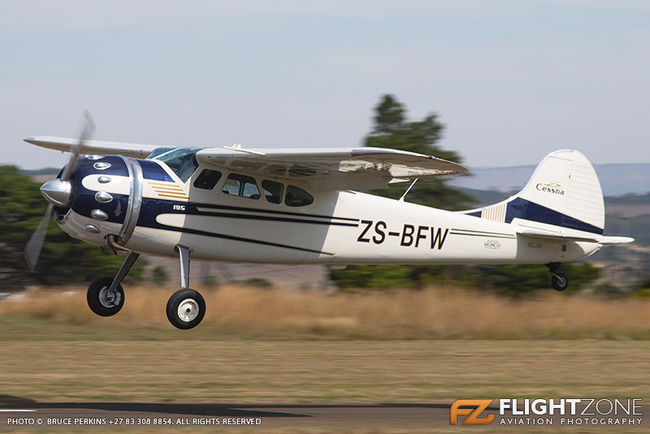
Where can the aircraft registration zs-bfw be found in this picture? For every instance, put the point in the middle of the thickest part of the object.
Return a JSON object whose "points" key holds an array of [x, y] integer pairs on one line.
{"points": [[299, 206]]}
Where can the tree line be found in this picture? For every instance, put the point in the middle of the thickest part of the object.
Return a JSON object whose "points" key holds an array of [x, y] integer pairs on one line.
{"points": [[64, 260]]}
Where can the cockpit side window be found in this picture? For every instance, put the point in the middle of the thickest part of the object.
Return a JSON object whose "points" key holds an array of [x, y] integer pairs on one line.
{"points": [[241, 185], [207, 179], [182, 161], [297, 197]]}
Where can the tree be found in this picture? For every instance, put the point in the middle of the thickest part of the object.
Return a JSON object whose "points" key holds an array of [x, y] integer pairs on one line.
{"points": [[159, 275], [63, 259], [513, 280], [393, 130], [518, 280]]}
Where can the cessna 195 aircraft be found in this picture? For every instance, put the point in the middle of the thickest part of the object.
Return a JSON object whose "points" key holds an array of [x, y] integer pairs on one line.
{"points": [[299, 206]]}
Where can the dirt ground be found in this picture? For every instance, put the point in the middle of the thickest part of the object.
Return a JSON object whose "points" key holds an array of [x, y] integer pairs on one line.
{"points": [[338, 385]]}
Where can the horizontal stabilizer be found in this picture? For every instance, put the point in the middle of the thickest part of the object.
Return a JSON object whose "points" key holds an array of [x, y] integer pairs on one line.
{"points": [[615, 240], [600, 239]]}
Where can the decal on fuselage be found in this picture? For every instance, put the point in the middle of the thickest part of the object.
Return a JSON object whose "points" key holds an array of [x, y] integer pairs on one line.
{"points": [[409, 236]]}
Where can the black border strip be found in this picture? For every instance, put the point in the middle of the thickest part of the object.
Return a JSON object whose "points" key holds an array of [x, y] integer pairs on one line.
{"points": [[270, 218], [510, 237], [239, 208], [472, 231]]}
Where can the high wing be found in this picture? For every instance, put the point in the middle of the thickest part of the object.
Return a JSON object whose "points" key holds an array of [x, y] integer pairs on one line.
{"points": [[93, 146], [335, 168], [327, 168]]}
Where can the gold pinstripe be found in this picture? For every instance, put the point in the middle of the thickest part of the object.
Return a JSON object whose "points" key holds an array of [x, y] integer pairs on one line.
{"points": [[175, 196], [168, 190]]}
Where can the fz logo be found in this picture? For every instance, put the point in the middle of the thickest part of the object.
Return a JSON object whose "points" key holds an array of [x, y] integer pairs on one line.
{"points": [[461, 407]]}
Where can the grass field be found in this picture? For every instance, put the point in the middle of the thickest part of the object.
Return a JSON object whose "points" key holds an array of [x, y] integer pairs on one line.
{"points": [[321, 371], [270, 347], [265, 345]]}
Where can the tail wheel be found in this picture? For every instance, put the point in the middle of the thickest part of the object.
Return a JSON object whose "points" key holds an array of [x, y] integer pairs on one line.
{"points": [[102, 301], [185, 309], [559, 281]]}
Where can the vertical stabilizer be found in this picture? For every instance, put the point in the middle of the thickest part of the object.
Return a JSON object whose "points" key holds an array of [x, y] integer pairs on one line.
{"points": [[563, 195]]}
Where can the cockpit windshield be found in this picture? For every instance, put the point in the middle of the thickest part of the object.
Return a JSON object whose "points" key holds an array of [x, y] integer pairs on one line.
{"points": [[182, 161], [158, 151]]}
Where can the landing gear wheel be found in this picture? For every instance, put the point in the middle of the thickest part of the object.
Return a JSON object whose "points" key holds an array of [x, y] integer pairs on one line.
{"points": [[103, 302], [559, 281], [185, 309]]}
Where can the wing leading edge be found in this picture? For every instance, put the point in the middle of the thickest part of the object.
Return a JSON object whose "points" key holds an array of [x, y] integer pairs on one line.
{"points": [[340, 168], [326, 168], [93, 146]]}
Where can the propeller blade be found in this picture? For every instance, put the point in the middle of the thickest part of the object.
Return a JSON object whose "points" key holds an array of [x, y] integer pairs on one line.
{"points": [[86, 133], [35, 243]]}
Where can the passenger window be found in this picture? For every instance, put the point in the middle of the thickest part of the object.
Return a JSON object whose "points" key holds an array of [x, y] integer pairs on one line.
{"points": [[250, 190], [297, 197], [241, 185], [207, 179], [272, 191]]}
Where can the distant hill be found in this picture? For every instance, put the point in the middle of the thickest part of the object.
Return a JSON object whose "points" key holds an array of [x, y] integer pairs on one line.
{"points": [[485, 197], [615, 179], [627, 215], [626, 206]]}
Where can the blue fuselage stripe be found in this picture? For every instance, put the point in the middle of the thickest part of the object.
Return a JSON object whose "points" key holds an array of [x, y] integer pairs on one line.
{"points": [[525, 209]]}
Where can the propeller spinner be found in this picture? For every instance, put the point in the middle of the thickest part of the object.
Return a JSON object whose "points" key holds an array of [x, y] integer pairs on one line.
{"points": [[57, 193]]}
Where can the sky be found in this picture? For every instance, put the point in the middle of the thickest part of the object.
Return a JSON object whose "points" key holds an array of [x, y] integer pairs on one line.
{"points": [[511, 80]]}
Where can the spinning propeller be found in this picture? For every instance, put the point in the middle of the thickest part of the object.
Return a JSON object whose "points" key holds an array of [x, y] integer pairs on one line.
{"points": [[57, 192]]}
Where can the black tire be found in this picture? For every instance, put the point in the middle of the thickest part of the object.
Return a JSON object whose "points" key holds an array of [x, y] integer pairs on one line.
{"points": [[559, 282], [185, 309], [102, 303]]}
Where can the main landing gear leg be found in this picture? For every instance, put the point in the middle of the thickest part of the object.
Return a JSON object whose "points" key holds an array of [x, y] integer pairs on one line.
{"points": [[559, 281], [186, 307], [105, 295]]}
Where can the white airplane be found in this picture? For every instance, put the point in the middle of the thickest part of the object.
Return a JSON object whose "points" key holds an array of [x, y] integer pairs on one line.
{"points": [[299, 206]]}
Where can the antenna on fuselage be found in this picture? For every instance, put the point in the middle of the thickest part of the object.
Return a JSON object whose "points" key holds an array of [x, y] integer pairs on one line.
{"points": [[401, 199]]}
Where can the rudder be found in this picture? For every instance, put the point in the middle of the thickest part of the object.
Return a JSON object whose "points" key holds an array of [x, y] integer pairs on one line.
{"points": [[564, 192]]}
